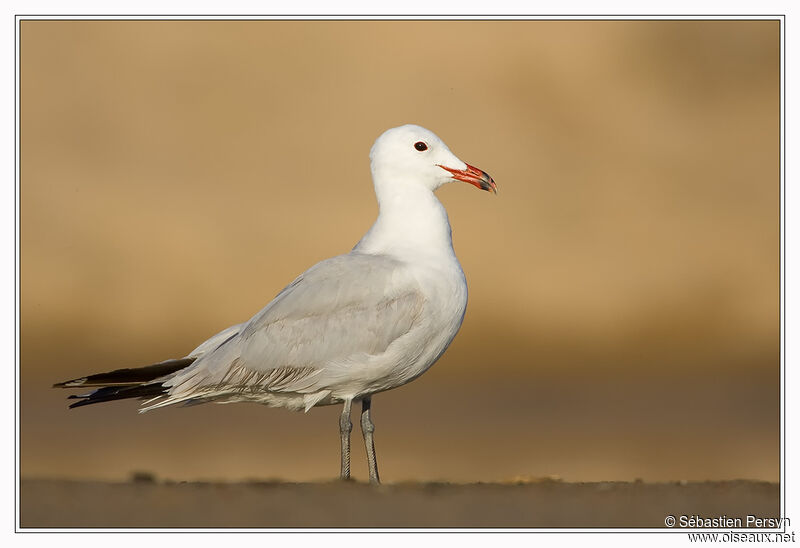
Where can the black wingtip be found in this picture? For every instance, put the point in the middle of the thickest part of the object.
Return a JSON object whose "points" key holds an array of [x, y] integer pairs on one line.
{"points": [[128, 376], [81, 403], [112, 393], [121, 384], [68, 384]]}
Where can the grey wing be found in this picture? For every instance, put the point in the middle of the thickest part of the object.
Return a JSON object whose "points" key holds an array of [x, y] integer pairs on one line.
{"points": [[342, 310], [216, 341]]}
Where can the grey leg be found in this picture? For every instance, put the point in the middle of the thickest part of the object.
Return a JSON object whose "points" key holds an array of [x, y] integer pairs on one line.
{"points": [[345, 426], [367, 428]]}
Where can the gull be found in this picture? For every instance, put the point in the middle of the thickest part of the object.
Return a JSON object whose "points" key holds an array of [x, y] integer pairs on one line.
{"points": [[350, 326]]}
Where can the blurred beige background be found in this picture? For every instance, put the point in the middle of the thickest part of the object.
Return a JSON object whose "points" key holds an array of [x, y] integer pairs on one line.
{"points": [[624, 285]]}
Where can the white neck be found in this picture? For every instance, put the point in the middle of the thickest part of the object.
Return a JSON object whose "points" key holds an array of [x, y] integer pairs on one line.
{"points": [[412, 222]]}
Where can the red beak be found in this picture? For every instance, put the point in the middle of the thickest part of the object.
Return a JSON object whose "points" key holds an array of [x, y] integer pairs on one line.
{"points": [[473, 176]]}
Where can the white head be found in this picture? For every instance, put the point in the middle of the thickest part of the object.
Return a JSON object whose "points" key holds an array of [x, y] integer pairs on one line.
{"points": [[413, 155]]}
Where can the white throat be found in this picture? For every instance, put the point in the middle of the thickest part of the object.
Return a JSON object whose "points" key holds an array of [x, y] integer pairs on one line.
{"points": [[412, 222]]}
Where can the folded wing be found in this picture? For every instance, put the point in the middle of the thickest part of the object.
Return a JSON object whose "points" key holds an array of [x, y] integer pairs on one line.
{"points": [[336, 315]]}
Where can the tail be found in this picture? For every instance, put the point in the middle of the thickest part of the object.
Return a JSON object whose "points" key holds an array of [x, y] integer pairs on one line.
{"points": [[120, 384]]}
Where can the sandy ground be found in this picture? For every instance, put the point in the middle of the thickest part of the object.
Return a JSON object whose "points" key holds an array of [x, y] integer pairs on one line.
{"points": [[546, 503]]}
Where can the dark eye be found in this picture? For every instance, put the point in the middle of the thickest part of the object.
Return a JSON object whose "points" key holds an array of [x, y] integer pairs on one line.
{"points": [[420, 146]]}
